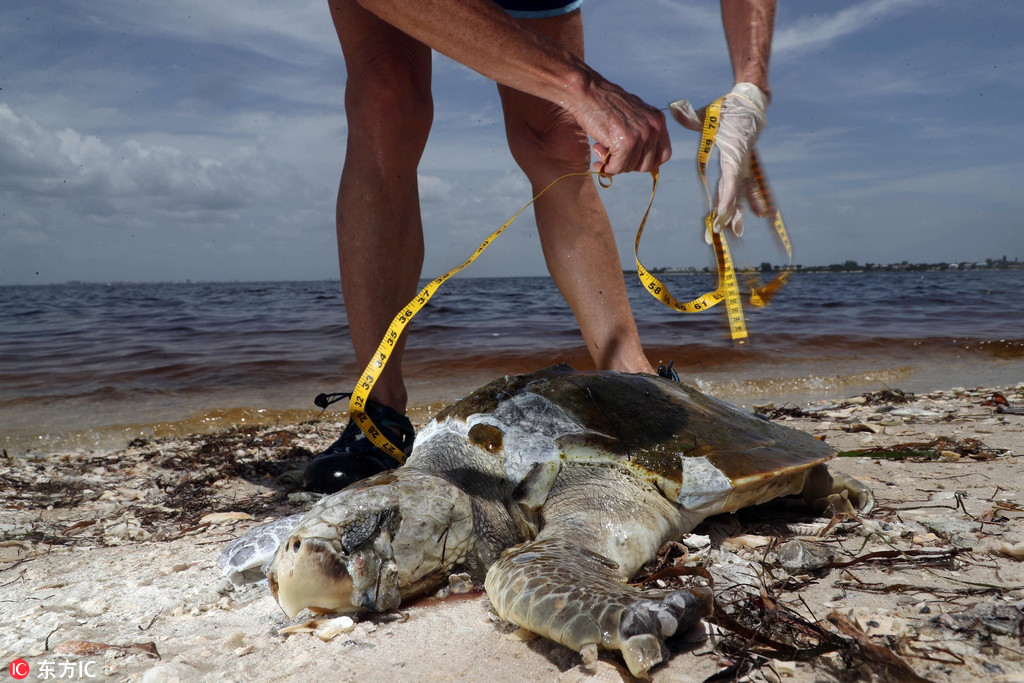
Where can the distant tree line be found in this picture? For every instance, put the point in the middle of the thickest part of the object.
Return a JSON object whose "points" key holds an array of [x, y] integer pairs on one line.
{"points": [[854, 267]]}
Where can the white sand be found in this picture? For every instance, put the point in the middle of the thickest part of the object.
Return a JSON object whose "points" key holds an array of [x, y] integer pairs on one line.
{"points": [[109, 552]]}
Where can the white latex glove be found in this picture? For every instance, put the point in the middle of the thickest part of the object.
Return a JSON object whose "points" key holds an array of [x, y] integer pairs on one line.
{"points": [[742, 118]]}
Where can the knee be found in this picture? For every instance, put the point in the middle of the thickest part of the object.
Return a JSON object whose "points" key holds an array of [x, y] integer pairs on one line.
{"points": [[388, 100], [548, 146]]}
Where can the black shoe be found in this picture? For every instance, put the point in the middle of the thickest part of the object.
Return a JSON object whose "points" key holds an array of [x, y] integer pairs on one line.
{"points": [[353, 457], [667, 372]]}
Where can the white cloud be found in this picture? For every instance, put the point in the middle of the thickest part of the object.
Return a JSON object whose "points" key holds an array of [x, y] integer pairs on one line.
{"points": [[23, 237], [107, 203], [133, 177], [820, 28], [790, 144], [668, 50], [132, 131], [985, 184], [269, 28], [432, 187]]}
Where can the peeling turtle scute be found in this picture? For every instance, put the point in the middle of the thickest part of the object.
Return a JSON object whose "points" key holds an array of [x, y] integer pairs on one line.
{"points": [[650, 425]]}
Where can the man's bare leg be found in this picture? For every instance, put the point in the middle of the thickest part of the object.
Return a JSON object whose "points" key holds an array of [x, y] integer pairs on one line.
{"points": [[576, 235], [380, 233]]}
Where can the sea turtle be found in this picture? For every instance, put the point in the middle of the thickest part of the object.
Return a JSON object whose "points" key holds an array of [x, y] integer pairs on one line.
{"points": [[555, 487]]}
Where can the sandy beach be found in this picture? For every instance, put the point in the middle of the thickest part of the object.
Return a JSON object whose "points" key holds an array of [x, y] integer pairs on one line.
{"points": [[108, 565]]}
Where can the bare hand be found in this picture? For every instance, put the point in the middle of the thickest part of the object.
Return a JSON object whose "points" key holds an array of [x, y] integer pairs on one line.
{"points": [[628, 133]]}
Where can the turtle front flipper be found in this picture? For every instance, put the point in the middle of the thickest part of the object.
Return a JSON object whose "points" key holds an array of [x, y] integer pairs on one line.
{"points": [[245, 558], [600, 524], [576, 598]]}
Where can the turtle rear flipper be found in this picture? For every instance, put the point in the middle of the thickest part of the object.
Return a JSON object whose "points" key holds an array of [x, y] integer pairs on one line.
{"points": [[576, 598], [825, 487]]}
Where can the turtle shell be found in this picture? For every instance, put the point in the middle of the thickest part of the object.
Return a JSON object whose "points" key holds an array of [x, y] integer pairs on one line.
{"points": [[698, 451]]}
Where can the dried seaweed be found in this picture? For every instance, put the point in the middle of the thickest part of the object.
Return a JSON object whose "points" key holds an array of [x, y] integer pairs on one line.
{"points": [[893, 665], [927, 450], [182, 475], [888, 395], [755, 625], [788, 410], [758, 624], [920, 558], [770, 628], [757, 628], [996, 399]]}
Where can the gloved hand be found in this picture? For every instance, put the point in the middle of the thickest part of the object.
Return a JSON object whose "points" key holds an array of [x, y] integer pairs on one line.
{"points": [[742, 118]]}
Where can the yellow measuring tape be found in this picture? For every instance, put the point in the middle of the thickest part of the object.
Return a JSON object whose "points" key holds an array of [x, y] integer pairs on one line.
{"points": [[727, 289], [361, 393], [762, 295]]}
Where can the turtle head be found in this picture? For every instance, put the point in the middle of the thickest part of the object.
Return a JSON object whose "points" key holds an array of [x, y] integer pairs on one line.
{"points": [[339, 557], [372, 545]]}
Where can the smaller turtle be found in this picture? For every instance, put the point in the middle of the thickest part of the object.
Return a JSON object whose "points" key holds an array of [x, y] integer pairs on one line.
{"points": [[555, 487]]}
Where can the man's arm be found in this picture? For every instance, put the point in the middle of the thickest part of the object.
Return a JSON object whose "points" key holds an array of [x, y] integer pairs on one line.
{"points": [[748, 30], [480, 35]]}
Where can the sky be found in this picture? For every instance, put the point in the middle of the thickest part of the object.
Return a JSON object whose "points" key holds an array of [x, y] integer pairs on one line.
{"points": [[143, 140]]}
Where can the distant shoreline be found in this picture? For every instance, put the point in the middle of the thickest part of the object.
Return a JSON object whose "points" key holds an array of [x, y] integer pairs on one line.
{"points": [[845, 267], [854, 267]]}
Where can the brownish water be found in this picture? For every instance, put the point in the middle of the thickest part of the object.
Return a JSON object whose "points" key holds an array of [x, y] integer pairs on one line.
{"points": [[92, 365]]}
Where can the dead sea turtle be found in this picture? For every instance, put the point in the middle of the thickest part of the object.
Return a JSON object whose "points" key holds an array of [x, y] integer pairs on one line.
{"points": [[556, 486]]}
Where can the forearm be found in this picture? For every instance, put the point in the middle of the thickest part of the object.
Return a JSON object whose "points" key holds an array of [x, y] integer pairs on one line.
{"points": [[483, 37], [748, 30], [628, 133]]}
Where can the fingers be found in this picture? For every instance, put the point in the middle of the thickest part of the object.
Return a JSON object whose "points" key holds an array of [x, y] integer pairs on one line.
{"points": [[683, 112], [726, 208], [601, 152], [741, 122], [741, 119], [629, 134], [759, 203], [729, 213], [733, 221], [642, 145]]}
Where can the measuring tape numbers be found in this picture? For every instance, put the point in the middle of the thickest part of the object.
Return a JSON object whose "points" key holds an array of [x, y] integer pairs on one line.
{"points": [[373, 370], [761, 295], [727, 289]]}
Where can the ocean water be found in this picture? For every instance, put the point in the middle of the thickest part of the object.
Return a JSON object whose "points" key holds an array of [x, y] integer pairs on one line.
{"points": [[94, 365]]}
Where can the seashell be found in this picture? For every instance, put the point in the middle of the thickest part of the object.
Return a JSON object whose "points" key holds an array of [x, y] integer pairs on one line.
{"points": [[745, 541], [224, 517], [1015, 551], [333, 628]]}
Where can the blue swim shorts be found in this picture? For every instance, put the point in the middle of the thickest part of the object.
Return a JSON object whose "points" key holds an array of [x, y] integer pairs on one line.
{"points": [[536, 9]]}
